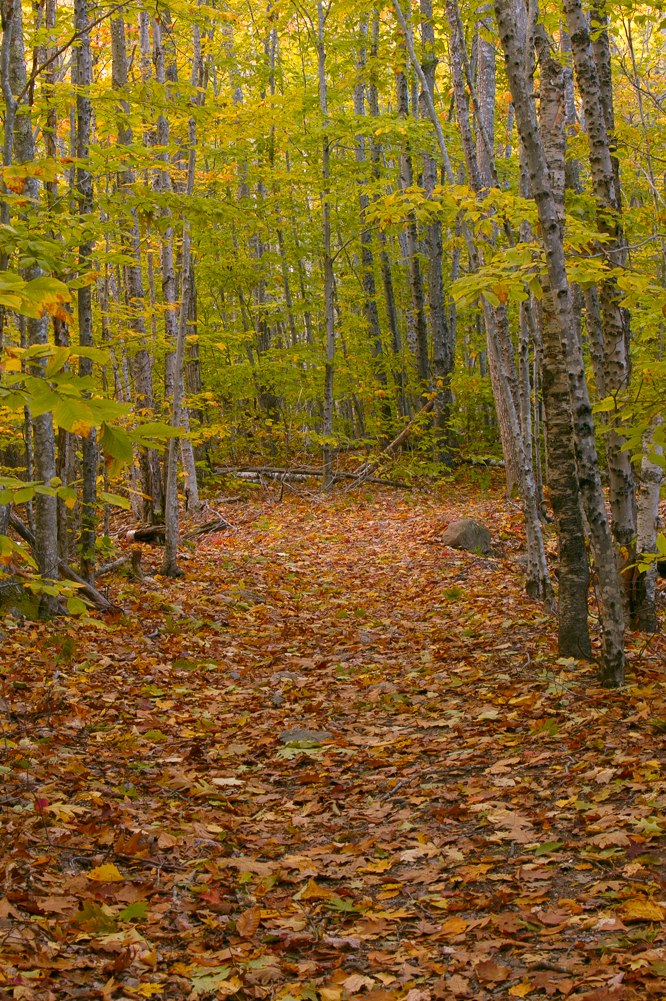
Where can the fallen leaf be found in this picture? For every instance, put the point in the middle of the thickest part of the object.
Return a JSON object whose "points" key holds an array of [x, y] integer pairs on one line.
{"points": [[488, 970], [56, 905], [641, 910], [107, 873], [248, 922], [354, 983]]}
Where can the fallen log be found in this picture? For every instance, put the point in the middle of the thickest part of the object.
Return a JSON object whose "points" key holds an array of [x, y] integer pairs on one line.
{"points": [[301, 472], [94, 596], [155, 535], [110, 567]]}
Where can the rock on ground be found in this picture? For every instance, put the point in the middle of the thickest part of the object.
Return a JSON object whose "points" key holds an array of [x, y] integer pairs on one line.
{"points": [[466, 533]]}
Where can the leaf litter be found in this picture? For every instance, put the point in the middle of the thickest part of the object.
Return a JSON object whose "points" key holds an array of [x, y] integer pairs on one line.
{"points": [[335, 760]]}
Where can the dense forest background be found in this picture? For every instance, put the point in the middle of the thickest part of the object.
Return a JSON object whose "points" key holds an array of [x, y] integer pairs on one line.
{"points": [[282, 234]]}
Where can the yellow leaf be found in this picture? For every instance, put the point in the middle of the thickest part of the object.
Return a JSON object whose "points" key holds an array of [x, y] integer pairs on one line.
{"points": [[520, 990], [641, 910], [82, 428], [454, 926], [314, 892], [107, 873]]}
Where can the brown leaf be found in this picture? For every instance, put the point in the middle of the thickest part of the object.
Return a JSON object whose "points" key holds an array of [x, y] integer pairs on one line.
{"points": [[488, 970], [354, 982], [248, 922], [56, 905]]}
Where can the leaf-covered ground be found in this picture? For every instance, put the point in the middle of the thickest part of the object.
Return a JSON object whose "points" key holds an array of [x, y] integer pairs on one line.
{"points": [[465, 817]]}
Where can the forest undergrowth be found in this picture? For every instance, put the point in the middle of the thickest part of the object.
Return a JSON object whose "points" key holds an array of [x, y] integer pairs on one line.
{"points": [[335, 760]]}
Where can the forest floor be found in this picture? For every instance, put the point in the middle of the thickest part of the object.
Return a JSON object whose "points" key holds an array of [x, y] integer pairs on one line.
{"points": [[467, 817]]}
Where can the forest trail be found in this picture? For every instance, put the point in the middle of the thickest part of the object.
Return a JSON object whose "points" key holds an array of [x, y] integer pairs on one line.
{"points": [[466, 818]]}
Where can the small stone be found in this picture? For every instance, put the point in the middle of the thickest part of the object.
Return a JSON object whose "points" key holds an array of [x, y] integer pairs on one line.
{"points": [[466, 533], [277, 700], [300, 733]]}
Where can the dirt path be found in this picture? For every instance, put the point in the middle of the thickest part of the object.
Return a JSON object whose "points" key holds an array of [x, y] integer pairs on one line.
{"points": [[335, 760]]}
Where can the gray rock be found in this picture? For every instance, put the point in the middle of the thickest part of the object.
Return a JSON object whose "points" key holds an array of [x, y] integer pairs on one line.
{"points": [[465, 533], [300, 733]]}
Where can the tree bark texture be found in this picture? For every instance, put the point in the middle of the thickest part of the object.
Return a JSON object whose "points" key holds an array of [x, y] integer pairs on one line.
{"points": [[612, 658], [597, 104], [573, 634]]}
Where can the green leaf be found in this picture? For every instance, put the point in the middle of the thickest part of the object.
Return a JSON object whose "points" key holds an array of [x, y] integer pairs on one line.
{"points": [[115, 443], [338, 904], [137, 910], [114, 499], [549, 846], [75, 606]]}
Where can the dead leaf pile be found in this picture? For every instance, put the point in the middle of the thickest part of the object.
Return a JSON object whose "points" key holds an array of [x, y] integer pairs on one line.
{"points": [[335, 760]]}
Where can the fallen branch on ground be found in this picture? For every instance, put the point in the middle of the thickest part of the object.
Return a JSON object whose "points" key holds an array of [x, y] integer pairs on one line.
{"points": [[86, 590], [363, 472]]}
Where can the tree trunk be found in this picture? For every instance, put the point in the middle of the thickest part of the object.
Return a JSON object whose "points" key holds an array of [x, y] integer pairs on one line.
{"points": [[612, 662], [384, 259], [171, 513], [597, 104], [509, 449], [329, 308], [412, 240], [85, 196], [43, 434], [367, 256], [573, 635], [646, 523], [443, 344], [142, 362]]}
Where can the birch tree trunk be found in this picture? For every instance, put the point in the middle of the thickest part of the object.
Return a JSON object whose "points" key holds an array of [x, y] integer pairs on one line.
{"points": [[573, 638], [646, 536], [612, 657], [597, 105]]}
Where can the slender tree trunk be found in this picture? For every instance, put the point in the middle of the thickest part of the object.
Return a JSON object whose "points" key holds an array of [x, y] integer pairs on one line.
{"points": [[85, 196], [329, 308], [18, 133], [612, 663], [367, 256], [142, 362], [384, 259], [443, 343], [171, 513], [509, 446], [412, 238]]}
